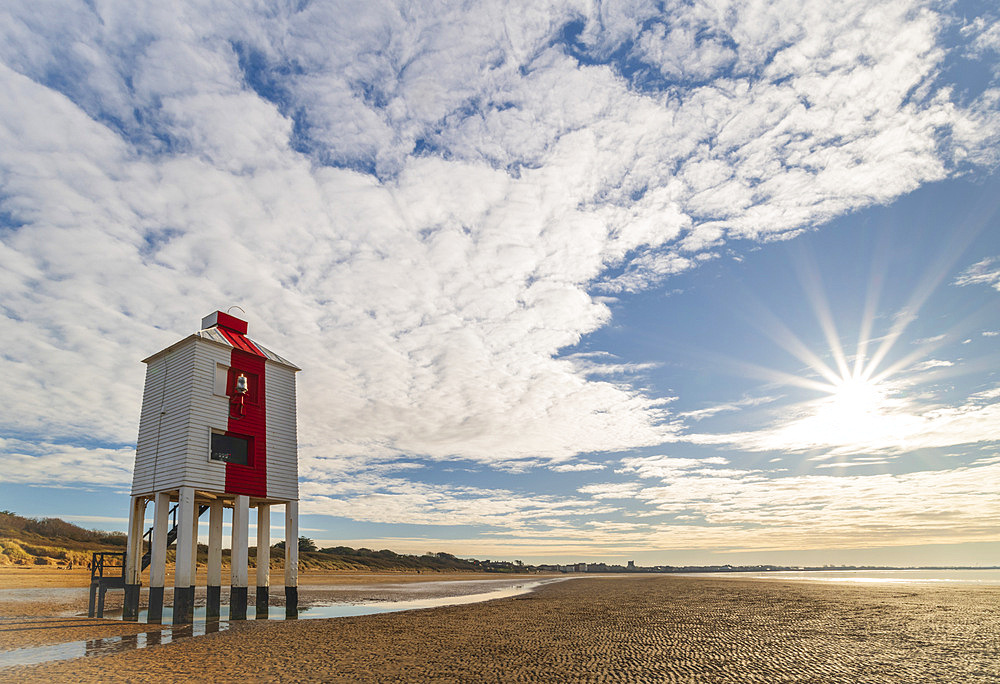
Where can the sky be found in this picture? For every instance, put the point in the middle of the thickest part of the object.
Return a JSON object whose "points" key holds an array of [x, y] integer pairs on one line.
{"points": [[675, 282]]}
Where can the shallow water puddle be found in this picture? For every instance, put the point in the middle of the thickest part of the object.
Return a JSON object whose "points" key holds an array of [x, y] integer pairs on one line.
{"points": [[117, 644], [201, 626]]}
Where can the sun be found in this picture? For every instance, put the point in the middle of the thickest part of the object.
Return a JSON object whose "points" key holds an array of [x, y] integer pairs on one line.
{"points": [[853, 411], [858, 396], [859, 400]]}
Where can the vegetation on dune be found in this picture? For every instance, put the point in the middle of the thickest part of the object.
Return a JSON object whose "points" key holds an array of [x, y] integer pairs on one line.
{"points": [[55, 528], [367, 559], [51, 541], [347, 558], [55, 542], [13, 552]]}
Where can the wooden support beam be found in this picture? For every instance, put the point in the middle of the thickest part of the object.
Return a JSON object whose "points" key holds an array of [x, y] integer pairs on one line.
{"points": [[240, 538], [183, 577], [263, 559], [291, 559]]}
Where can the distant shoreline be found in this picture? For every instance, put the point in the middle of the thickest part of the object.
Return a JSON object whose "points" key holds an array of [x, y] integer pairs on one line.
{"points": [[839, 568]]}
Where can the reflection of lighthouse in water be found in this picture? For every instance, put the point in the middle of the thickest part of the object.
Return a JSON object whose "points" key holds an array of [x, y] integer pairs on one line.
{"points": [[217, 431]]}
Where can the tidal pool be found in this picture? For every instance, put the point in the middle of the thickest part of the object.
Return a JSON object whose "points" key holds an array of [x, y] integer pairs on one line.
{"points": [[165, 634]]}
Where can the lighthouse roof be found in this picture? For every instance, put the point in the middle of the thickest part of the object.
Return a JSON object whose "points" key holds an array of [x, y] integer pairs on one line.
{"points": [[229, 331], [245, 343]]}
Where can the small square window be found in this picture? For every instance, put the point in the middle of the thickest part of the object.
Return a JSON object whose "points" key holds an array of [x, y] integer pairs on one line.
{"points": [[230, 449]]}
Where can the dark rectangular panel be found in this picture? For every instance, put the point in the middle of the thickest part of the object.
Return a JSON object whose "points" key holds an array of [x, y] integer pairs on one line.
{"points": [[230, 449]]}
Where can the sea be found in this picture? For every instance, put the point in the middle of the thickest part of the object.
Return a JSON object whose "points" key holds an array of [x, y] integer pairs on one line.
{"points": [[972, 576]]}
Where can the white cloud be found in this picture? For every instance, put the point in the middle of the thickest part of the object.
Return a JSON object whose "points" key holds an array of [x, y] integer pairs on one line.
{"points": [[679, 52], [666, 466], [395, 500], [708, 412], [758, 511], [30, 462], [740, 510], [602, 363], [931, 363], [576, 467], [71, 517], [892, 426], [985, 36], [414, 205], [985, 272], [852, 464], [610, 490], [986, 395]]}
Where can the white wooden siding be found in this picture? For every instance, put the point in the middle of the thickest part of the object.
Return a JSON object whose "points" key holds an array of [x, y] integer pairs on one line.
{"points": [[282, 450], [207, 410], [162, 440], [179, 408]]}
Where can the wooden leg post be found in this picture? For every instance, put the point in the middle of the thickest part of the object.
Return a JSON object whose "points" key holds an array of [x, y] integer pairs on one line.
{"points": [[158, 558], [183, 579], [214, 589], [291, 560], [133, 559], [238, 587], [263, 559]]}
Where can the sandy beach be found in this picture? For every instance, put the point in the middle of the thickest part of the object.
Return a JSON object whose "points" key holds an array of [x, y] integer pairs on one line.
{"points": [[616, 629]]}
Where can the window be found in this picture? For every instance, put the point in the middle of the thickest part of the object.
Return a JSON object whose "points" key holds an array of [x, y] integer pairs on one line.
{"points": [[230, 449], [221, 378]]}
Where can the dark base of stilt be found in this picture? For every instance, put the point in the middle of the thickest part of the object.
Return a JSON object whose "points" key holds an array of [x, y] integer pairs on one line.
{"points": [[291, 603], [238, 603], [101, 591], [130, 607], [91, 606], [154, 615], [183, 605], [213, 599], [262, 601]]}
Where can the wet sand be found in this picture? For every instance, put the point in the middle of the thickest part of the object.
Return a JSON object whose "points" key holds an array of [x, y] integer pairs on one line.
{"points": [[61, 593], [620, 629], [41, 606]]}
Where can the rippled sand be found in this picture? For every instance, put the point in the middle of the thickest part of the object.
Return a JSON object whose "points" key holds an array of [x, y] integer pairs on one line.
{"points": [[620, 629]]}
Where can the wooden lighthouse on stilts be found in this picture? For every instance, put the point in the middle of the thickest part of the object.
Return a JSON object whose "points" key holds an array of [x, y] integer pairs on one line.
{"points": [[217, 430]]}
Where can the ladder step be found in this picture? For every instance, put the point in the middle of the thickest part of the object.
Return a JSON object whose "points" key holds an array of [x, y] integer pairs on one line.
{"points": [[147, 557]]}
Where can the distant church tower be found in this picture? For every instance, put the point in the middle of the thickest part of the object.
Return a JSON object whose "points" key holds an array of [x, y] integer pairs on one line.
{"points": [[217, 430]]}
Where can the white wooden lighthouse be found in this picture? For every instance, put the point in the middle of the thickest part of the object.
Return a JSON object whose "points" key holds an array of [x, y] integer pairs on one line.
{"points": [[217, 430]]}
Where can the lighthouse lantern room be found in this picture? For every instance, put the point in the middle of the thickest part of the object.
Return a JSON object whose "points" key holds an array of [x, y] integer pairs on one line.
{"points": [[217, 430]]}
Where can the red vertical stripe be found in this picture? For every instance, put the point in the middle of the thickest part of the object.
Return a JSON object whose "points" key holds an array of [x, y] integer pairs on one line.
{"points": [[249, 479]]}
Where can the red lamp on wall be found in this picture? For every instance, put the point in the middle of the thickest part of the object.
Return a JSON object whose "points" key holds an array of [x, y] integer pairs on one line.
{"points": [[236, 408]]}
